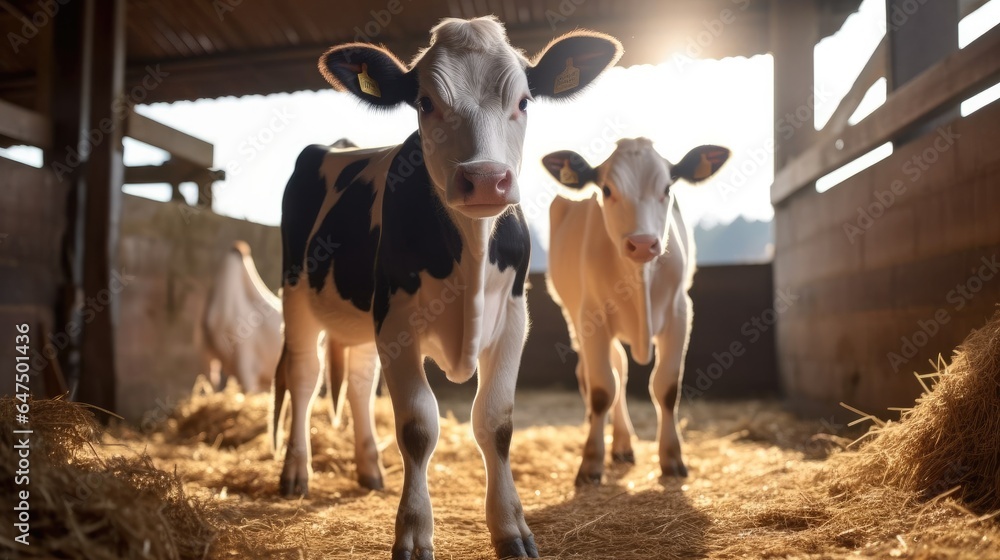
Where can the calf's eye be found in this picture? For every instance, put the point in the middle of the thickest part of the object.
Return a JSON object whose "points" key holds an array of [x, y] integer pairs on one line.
{"points": [[426, 106], [607, 191], [523, 106]]}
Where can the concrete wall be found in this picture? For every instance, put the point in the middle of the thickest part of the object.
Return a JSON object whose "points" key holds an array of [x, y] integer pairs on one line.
{"points": [[880, 274], [169, 256]]}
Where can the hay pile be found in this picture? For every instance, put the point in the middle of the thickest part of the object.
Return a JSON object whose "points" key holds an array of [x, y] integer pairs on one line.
{"points": [[763, 484], [85, 505], [950, 441]]}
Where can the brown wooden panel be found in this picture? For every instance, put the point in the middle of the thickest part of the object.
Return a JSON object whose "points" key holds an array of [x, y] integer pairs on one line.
{"points": [[960, 75]]}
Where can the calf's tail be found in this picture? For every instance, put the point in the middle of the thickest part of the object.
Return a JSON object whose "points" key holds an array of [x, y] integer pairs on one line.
{"points": [[278, 390]]}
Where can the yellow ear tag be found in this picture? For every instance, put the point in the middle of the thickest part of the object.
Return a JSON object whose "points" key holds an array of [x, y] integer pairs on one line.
{"points": [[704, 168], [367, 83], [567, 176], [568, 78]]}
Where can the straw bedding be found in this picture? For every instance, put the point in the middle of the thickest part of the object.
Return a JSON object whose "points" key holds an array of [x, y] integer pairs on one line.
{"points": [[763, 484]]}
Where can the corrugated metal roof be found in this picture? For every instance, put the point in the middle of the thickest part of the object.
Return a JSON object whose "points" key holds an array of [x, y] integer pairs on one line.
{"points": [[214, 48]]}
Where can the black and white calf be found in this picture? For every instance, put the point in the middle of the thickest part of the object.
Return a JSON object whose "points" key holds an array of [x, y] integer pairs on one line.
{"points": [[420, 250]]}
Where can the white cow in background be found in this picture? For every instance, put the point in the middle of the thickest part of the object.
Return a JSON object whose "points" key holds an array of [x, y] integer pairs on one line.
{"points": [[242, 323], [620, 264]]}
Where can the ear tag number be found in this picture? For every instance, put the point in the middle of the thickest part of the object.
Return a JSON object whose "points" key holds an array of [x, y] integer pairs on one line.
{"points": [[367, 83], [704, 168], [567, 176], [568, 78]]}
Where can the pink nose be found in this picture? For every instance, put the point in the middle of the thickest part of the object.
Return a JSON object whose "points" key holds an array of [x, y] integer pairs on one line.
{"points": [[484, 183], [642, 248]]}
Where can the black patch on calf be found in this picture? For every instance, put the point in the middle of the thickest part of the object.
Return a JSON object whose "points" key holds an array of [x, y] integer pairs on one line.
{"points": [[300, 206], [600, 401], [349, 173], [670, 399], [346, 235], [417, 234], [416, 440], [511, 246], [502, 437]]}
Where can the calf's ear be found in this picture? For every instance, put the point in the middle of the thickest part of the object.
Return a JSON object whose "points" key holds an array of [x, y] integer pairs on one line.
{"points": [[571, 62], [700, 163], [569, 168], [371, 73]]}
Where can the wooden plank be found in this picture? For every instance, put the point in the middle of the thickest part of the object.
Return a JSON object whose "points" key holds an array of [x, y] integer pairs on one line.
{"points": [[874, 69], [959, 76], [177, 143], [23, 126], [171, 172], [102, 207]]}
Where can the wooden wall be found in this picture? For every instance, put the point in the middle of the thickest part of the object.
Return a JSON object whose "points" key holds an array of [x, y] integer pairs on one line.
{"points": [[877, 273], [726, 301], [32, 222], [169, 254]]}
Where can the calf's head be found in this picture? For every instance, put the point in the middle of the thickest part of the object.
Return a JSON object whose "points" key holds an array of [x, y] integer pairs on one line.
{"points": [[472, 90], [635, 189]]}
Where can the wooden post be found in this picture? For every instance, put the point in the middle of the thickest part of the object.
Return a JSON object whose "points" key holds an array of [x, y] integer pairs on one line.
{"points": [[920, 35], [794, 34], [64, 81], [104, 176]]}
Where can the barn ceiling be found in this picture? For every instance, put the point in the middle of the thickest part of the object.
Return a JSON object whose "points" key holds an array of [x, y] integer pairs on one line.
{"points": [[214, 48]]}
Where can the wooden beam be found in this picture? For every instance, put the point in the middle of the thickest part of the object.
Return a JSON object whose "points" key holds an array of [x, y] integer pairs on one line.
{"points": [[874, 69], [65, 75], [961, 75], [22, 126], [102, 207], [171, 172], [794, 33], [177, 143]]}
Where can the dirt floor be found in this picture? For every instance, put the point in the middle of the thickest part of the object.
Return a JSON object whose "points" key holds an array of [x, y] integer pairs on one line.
{"points": [[760, 485]]}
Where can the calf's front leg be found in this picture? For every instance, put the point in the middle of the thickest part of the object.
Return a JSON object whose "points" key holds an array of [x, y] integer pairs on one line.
{"points": [[416, 413], [492, 423], [664, 387], [602, 390]]}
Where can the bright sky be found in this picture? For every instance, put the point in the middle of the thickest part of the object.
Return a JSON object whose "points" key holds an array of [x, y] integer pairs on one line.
{"points": [[679, 104]]}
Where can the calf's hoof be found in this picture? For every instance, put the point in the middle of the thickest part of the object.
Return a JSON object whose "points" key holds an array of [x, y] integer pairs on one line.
{"points": [[419, 554], [294, 487], [674, 469], [371, 482], [623, 457], [585, 478], [517, 548]]}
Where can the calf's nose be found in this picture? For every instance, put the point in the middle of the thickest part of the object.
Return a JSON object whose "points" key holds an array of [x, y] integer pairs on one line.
{"points": [[642, 248], [490, 177]]}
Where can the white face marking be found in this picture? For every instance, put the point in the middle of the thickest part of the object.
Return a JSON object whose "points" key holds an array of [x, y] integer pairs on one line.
{"points": [[472, 84], [638, 179]]}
